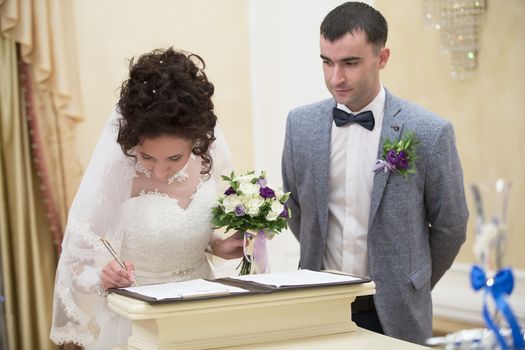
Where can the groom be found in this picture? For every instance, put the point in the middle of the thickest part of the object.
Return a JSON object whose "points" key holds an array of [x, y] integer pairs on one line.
{"points": [[403, 232]]}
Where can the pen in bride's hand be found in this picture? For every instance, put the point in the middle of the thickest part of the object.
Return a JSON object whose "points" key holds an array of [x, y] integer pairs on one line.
{"points": [[114, 254]]}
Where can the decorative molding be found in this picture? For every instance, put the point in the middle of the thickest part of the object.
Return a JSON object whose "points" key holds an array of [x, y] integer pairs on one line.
{"points": [[454, 299]]}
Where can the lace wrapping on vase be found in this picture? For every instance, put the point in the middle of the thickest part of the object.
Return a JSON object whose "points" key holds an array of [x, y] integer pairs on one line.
{"points": [[78, 287]]}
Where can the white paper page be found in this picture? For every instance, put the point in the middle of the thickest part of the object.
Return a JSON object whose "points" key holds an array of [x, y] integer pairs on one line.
{"points": [[186, 289], [297, 278]]}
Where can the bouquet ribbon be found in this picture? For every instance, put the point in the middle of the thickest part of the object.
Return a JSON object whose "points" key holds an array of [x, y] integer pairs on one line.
{"points": [[257, 254], [499, 287]]}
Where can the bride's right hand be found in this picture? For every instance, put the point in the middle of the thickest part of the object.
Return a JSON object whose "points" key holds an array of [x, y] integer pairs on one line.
{"points": [[114, 276]]}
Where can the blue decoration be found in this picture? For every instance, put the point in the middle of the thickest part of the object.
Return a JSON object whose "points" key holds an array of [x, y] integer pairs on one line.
{"points": [[499, 287]]}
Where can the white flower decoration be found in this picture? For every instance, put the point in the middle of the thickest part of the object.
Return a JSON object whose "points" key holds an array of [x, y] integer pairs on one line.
{"points": [[249, 189], [253, 206], [230, 202], [246, 178], [275, 210]]}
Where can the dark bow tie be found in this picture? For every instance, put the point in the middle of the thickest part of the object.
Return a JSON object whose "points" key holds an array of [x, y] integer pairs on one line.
{"points": [[365, 119]]}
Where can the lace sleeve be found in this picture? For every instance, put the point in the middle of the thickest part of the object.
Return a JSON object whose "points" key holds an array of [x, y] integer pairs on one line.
{"points": [[79, 306], [77, 287]]}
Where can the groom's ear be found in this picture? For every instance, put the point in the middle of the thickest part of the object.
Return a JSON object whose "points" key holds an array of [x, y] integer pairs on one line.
{"points": [[384, 54]]}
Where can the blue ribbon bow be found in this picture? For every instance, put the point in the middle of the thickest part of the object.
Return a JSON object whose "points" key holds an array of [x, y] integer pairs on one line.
{"points": [[499, 287]]}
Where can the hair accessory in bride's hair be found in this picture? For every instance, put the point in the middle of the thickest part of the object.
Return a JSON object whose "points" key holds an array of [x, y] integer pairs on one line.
{"points": [[139, 168]]}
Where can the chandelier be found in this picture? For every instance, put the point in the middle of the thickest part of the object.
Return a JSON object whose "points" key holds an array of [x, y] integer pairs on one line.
{"points": [[458, 23]]}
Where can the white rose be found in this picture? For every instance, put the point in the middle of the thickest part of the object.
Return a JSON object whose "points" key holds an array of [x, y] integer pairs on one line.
{"points": [[249, 189], [278, 193], [245, 179], [253, 206], [230, 202], [271, 216], [275, 210]]}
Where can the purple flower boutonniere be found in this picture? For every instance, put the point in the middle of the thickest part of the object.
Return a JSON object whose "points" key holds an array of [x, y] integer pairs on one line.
{"points": [[399, 156]]}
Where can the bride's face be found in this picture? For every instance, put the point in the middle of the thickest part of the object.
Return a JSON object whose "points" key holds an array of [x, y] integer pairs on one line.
{"points": [[165, 155]]}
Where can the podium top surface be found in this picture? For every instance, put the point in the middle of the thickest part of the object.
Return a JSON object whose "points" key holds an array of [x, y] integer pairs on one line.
{"points": [[135, 309]]}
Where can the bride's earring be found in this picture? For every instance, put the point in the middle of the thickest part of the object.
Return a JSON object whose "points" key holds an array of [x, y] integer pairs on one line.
{"points": [[140, 169]]}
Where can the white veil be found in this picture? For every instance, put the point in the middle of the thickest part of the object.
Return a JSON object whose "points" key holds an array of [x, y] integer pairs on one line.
{"points": [[79, 305]]}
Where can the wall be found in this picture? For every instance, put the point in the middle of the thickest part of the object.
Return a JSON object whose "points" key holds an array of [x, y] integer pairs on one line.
{"points": [[110, 32], [286, 72]]}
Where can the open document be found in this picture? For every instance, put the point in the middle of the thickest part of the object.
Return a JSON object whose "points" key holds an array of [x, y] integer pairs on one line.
{"points": [[299, 278], [185, 290], [231, 286]]}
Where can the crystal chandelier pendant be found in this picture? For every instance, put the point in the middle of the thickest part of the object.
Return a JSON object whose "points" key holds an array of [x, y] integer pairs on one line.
{"points": [[458, 24]]}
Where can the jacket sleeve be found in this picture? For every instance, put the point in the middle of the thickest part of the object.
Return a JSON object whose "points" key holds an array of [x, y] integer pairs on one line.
{"points": [[445, 202], [289, 181]]}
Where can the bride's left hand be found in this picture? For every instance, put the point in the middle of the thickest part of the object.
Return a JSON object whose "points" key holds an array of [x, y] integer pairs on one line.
{"points": [[228, 248]]}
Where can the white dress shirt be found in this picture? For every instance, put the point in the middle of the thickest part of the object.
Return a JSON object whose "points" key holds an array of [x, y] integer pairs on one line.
{"points": [[353, 153]]}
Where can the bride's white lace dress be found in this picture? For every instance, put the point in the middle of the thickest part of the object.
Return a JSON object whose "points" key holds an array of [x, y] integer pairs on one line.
{"points": [[162, 228], [166, 243]]}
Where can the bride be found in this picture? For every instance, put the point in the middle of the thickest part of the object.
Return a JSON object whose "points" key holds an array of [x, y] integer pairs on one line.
{"points": [[148, 190]]}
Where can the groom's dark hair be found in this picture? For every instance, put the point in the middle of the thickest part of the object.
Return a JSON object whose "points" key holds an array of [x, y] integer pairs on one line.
{"points": [[355, 16]]}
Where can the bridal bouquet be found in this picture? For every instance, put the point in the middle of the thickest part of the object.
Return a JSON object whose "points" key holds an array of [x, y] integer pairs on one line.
{"points": [[250, 205]]}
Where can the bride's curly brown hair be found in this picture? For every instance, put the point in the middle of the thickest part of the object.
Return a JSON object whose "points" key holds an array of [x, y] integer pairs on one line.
{"points": [[168, 93]]}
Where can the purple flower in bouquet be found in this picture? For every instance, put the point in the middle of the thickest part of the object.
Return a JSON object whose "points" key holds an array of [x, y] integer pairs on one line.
{"points": [[229, 191], [261, 182], [266, 192], [239, 210], [284, 213]]}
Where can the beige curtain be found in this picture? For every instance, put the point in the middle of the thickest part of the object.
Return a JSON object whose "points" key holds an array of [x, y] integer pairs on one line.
{"points": [[45, 31], [38, 175], [28, 255]]}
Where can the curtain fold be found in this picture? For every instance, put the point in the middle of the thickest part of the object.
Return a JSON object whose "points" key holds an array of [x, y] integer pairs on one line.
{"points": [[38, 175], [27, 253], [45, 31]]}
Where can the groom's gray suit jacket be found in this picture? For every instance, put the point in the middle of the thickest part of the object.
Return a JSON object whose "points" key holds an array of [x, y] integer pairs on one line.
{"points": [[416, 225]]}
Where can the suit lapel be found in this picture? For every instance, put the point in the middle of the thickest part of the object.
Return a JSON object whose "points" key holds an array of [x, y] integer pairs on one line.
{"points": [[391, 129], [321, 144]]}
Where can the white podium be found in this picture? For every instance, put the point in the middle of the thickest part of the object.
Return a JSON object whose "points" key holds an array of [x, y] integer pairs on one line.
{"points": [[279, 320]]}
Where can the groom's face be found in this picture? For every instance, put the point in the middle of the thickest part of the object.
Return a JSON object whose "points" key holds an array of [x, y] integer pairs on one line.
{"points": [[351, 69]]}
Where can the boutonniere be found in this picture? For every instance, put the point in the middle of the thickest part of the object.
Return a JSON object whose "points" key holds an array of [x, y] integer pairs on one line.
{"points": [[399, 156]]}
